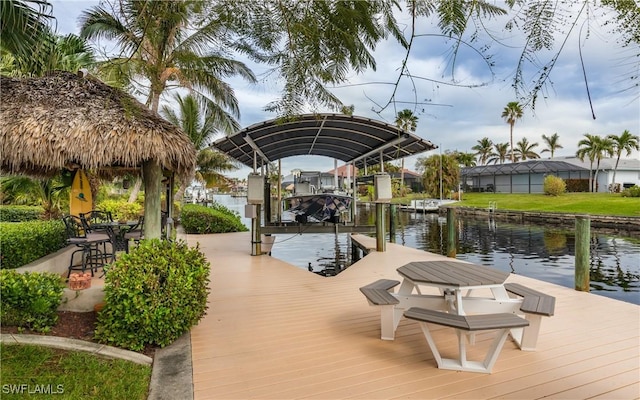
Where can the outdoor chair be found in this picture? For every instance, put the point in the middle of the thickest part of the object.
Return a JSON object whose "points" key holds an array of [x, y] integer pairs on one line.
{"points": [[91, 256], [98, 222], [136, 233]]}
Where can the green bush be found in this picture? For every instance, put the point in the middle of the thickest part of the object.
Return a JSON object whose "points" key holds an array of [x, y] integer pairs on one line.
{"points": [[153, 295], [30, 300], [121, 210], [20, 213], [554, 186], [24, 242], [633, 191], [216, 219], [577, 185]]}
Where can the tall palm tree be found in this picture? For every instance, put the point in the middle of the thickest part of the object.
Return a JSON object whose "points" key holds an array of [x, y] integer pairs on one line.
{"points": [[625, 142], [595, 148], [524, 150], [408, 122], [500, 153], [511, 113], [552, 142], [483, 150], [165, 43], [201, 122]]}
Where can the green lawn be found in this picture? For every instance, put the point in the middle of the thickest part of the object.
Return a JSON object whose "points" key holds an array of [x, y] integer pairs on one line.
{"points": [[574, 203], [41, 372]]}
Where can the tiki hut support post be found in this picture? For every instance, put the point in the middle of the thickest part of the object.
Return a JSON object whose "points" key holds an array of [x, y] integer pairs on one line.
{"points": [[152, 176]]}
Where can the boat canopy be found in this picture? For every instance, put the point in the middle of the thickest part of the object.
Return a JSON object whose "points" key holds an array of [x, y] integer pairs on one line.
{"points": [[352, 139]]}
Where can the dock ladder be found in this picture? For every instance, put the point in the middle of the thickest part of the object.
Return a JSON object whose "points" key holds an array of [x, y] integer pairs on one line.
{"points": [[492, 206]]}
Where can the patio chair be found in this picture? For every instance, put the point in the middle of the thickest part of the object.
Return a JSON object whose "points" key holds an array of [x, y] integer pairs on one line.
{"points": [[91, 257], [136, 233], [97, 222]]}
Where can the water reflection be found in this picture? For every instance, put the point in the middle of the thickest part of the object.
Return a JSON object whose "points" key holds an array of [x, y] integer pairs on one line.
{"points": [[535, 251]]}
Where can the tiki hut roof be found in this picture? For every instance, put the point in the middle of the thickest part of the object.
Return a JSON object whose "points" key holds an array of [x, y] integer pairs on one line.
{"points": [[67, 121]]}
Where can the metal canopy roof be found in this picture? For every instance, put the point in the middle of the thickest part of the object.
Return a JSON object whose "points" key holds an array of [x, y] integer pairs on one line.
{"points": [[523, 167], [348, 138]]}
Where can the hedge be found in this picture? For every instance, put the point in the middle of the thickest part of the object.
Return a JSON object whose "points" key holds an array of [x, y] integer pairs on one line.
{"points": [[24, 242], [20, 213], [217, 219]]}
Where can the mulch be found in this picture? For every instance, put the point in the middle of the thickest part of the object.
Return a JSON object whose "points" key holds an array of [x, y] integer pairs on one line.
{"points": [[72, 325]]}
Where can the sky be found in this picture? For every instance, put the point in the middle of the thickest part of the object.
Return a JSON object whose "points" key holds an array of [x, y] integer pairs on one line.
{"points": [[456, 117]]}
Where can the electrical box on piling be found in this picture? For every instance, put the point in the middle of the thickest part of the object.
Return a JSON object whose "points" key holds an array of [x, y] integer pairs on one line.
{"points": [[382, 188], [255, 189]]}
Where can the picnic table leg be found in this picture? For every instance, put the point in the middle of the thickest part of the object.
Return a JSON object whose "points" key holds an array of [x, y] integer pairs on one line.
{"points": [[527, 338], [388, 322]]}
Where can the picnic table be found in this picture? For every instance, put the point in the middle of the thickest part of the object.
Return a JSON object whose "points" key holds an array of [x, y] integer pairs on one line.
{"points": [[468, 298]]}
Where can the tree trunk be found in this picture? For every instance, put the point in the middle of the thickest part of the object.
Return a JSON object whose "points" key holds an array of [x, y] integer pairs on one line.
{"points": [[615, 169], [511, 138], [152, 175], [133, 196]]}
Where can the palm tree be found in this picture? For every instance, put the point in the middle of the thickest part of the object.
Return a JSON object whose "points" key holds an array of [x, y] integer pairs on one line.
{"points": [[625, 142], [23, 24], [552, 142], [49, 193], [201, 123], [165, 43], [408, 122], [524, 150], [483, 150], [594, 147], [65, 53], [499, 154], [511, 113], [466, 159]]}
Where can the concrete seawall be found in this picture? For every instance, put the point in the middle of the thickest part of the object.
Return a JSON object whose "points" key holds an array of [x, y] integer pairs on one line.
{"points": [[615, 224]]}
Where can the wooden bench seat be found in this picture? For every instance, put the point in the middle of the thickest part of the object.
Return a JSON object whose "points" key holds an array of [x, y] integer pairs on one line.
{"points": [[378, 294], [502, 322], [534, 302]]}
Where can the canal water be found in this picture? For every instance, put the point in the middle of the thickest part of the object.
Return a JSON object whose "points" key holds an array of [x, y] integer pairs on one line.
{"points": [[540, 252]]}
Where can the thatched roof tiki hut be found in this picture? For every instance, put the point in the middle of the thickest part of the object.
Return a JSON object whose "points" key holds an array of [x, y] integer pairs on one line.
{"points": [[67, 121]]}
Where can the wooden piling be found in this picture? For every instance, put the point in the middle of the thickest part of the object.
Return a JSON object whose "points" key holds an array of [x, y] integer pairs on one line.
{"points": [[392, 222], [582, 259], [380, 239], [451, 232]]}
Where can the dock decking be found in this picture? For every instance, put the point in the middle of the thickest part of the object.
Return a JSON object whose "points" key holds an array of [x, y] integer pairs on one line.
{"points": [[275, 331]]}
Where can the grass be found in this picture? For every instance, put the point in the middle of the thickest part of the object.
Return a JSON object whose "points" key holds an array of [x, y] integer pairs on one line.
{"points": [[34, 370], [571, 203]]}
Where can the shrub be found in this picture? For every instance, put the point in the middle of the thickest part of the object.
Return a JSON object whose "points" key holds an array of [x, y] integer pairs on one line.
{"points": [[554, 186], [633, 191], [20, 213], [24, 242], [121, 210], [31, 299], [577, 185], [216, 219], [153, 295]]}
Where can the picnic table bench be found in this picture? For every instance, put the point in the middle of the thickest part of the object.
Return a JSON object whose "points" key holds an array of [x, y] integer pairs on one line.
{"points": [[502, 322]]}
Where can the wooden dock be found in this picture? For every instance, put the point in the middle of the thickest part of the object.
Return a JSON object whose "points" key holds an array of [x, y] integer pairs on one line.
{"points": [[276, 331]]}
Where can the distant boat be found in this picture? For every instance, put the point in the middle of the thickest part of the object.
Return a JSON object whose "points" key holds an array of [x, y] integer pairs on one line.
{"points": [[319, 207], [425, 205]]}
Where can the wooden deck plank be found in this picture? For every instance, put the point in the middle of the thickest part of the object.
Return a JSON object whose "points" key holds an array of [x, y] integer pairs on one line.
{"points": [[275, 331]]}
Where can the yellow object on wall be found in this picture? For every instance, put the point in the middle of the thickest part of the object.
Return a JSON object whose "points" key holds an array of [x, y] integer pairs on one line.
{"points": [[81, 200]]}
